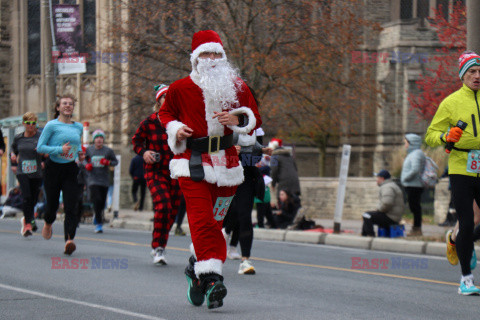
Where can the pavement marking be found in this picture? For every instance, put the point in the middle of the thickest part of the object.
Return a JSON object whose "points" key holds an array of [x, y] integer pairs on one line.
{"points": [[356, 271], [82, 303], [274, 261]]}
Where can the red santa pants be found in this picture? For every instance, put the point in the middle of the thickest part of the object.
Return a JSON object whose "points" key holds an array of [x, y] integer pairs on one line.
{"points": [[206, 232]]}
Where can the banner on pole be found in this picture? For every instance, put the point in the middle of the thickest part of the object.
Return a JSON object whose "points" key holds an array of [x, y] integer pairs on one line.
{"points": [[68, 37]]}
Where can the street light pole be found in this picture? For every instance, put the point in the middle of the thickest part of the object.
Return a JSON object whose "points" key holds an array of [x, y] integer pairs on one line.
{"points": [[48, 67], [473, 25]]}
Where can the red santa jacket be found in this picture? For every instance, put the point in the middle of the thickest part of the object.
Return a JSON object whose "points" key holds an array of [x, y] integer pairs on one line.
{"points": [[185, 105]]}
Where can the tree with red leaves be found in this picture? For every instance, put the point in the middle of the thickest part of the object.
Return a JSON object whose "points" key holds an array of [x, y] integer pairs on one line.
{"points": [[440, 81]]}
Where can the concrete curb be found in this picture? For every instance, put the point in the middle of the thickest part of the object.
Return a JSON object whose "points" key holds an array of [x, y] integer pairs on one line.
{"points": [[342, 240], [348, 241], [399, 245]]}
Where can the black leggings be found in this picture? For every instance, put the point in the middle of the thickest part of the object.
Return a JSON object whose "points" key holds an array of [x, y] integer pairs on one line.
{"points": [[239, 217], [62, 177], [414, 195], [30, 189], [142, 184], [465, 189], [98, 194]]}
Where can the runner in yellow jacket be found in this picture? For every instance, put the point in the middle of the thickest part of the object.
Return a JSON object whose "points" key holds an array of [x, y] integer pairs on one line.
{"points": [[464, 160]]}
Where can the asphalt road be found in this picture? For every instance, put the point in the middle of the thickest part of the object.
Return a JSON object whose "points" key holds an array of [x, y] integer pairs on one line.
{"points": [[113, 278]]}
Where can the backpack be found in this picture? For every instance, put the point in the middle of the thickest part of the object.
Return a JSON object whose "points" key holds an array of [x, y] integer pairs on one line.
{"points": [[429, 175]]}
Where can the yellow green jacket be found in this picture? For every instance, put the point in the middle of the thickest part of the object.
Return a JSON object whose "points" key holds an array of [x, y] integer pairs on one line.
{"points": [[463, 105]]}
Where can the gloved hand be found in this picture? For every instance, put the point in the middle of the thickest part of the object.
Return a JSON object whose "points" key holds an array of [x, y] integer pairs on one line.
{"points": [[89, 166], [454, 134], [104, 162]]}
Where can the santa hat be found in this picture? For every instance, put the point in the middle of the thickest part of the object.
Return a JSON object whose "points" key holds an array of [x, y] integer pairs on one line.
{"points": [[98, 133], [160, 89], [467, 60], [275, 143], [206, 41]]}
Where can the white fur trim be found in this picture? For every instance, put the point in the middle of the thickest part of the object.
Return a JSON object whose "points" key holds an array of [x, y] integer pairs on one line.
{"points": [[206, 47], [177, 147], [246, 140], [219, 175], [208, 266], [252, 121]]}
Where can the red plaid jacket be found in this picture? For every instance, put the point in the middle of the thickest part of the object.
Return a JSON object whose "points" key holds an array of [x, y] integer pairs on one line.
{"points": [[151, 135]]}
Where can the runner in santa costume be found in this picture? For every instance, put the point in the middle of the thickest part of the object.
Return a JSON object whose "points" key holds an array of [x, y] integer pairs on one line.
{"points": [[200, 114]]}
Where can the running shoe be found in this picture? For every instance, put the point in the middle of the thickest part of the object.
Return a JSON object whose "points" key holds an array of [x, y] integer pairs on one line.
{"points": [[233, 254], [194, 293], [214, 290], [452, 256], [473, 261], [34, 226], [159, 256], [69, 247], [179, 231], [246, 267], [26, 228], [98, 228], [47, 231], [467, 288]]}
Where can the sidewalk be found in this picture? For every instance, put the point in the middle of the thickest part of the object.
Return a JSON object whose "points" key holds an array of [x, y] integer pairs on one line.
{"points": [[431, 243]]}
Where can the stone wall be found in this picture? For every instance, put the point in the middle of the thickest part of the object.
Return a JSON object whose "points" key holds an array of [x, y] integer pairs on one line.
{"points": [[319, 196]]}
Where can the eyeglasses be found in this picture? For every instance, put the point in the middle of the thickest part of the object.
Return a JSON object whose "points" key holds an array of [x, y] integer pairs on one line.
{"points": [[30, 122]]}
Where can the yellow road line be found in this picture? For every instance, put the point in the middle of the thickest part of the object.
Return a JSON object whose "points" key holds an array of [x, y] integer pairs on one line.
{"points": [[270, 260]]}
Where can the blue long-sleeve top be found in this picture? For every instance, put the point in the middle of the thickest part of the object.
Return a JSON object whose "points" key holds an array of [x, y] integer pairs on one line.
{"points": [[55, 135]]}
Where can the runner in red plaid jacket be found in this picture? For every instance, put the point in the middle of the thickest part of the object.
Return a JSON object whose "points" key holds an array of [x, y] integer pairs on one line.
{"points": [[150, 142]]}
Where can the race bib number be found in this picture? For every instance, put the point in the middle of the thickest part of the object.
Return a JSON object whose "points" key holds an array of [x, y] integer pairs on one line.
{"points": [[96, 161], [221, 207], [29, 166], [69, 155], [473, 164]]}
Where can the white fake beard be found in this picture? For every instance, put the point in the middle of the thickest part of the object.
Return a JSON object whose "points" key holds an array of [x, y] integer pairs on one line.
{"points": [[219, 82]]}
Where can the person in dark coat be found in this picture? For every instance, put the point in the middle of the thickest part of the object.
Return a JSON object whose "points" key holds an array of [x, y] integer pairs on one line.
{"points": [[138, 175]]}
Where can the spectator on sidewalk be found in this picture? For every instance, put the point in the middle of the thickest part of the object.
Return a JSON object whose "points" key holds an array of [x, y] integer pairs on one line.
{"points": [[13, 204], [284, 172], [412, 169], [287, 209], [137, 173], [390, 207]]}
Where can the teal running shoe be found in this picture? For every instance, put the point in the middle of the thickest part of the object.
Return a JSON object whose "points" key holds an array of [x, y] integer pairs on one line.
{"points": [[473, 261], [215, 292], [194, 293], [467, 288]]}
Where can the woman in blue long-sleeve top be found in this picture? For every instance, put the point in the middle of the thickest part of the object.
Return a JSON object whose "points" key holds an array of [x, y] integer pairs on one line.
{"points": [[61, 140]]}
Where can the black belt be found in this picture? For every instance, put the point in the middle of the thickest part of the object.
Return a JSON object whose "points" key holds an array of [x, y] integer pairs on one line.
{"points": [[211, 145]]}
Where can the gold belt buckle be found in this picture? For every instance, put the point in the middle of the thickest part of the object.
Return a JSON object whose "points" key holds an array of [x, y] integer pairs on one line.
{"points": [[215, 141]]}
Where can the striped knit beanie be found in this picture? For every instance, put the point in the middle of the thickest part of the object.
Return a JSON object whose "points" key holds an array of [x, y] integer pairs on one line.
{"points": [[467, 60], [160, 90], [98, 133]]}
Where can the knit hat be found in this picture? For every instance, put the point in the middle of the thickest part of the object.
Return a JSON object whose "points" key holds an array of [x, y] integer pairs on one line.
{"points": [[160, 90], [275, 143], [467, 60], [384, 174], [206, 41], [98, 133]]}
